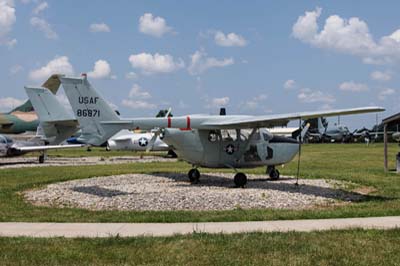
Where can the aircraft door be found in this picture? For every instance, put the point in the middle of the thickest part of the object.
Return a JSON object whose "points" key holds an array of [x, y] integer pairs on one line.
{"points": [[211, 140]]}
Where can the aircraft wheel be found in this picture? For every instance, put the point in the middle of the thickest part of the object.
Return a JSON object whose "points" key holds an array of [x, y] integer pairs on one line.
{"points": [[270, 168], [194, 176], [274, 174], [240, 180], [41, 158]]}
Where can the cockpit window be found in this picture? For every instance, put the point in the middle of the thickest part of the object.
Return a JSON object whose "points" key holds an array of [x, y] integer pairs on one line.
{"points": [[228, 135], [5, 140]]}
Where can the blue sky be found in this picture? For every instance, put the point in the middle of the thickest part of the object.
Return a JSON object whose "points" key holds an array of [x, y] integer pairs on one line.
{"points": [[257, 57]]}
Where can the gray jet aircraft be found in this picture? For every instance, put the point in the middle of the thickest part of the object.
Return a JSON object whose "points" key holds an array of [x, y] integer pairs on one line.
{"points": [[231, 141], [11, 148]]}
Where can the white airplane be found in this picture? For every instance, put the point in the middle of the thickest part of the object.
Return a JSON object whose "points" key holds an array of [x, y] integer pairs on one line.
{"points": [[132, 141], [201, 140]]}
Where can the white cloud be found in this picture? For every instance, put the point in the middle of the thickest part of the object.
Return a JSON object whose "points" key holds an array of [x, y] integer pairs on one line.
{"points": [[16, 69], [353, 86], [7, 20], [350, 36], [385, 93], [137, 99], [138, 104], [99, 27], [40, 8], [200, 62], [255, 102], [312, 96], [138, 92], [289, 84], [9, 103], [156, 63], [231, 39], [217, 102], [381, 76], [101, 70], [154, 26], [131, 75], [59, 65], [43, 26]]}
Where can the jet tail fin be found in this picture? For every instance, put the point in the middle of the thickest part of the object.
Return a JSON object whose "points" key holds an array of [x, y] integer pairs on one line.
{"points": [[321, 128], [53, 83], [90, 109], [56, 123]]}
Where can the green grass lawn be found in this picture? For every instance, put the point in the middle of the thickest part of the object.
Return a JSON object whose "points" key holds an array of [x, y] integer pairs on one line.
{"points": [[351, 247], [355, 162]]}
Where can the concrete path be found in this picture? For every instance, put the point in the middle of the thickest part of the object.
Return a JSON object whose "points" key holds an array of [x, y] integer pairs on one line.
{"points": [[168, 229]]}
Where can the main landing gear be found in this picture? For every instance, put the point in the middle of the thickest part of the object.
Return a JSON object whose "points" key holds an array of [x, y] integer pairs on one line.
{"points": [[194, 176], [42, 157], [240, 179], [272, 172]]}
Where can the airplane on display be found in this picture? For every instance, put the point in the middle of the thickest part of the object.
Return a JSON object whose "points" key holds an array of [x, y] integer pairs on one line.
{"points": [[128, 140], [23, 118], [213, 141], [57, 125], [11, 148], [337, 133]]}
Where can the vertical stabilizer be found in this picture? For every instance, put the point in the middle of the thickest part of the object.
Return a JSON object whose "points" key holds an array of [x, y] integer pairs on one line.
{"points": [[90, 109], [56, 123]]}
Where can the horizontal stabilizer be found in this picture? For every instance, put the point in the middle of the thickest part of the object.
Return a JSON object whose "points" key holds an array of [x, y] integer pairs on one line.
{"points": [[49, 147]]}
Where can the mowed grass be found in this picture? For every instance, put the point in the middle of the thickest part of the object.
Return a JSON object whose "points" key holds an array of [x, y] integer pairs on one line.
{"points": [[350, 162], [352, 247]]}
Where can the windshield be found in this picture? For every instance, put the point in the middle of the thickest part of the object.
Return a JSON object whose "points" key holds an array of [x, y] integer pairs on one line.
{"points": [[5, 139]]}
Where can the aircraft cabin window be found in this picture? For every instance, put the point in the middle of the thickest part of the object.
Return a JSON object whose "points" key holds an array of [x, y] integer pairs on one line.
{"points": [[267, 137], [213, 136], [228, 135], [3, 140]]}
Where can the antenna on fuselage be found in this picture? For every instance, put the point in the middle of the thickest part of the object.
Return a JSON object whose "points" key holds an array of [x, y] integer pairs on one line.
{"points": [[222, 111]]}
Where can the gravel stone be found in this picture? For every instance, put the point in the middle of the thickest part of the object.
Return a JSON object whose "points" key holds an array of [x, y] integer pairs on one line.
{"points": [[172, 191]]}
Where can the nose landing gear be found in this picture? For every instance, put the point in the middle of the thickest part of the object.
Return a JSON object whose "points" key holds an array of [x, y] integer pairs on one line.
{"points": [[194, 176]]}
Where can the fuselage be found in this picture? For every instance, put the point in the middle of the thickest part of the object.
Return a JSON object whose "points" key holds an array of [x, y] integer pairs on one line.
{"points": [[127, 140], [18, 122], [231, 148]]}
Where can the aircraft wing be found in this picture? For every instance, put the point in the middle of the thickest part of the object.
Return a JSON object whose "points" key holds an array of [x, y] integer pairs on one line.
{"points": [[273, 120], [48, 147], [228, 122]]}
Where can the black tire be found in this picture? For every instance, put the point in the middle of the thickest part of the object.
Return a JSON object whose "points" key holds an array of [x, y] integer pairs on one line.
{"points": [[240, 180], [194, 176], [274, 174], [270, 168], [41, 159]]}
